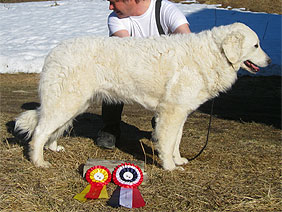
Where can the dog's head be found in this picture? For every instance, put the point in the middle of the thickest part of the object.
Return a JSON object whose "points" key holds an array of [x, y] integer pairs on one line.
{"points": [[242, 49]]}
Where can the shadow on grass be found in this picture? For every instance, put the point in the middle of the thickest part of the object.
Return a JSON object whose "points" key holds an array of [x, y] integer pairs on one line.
{"points": [[21, 138], [87, 125], [252, 99]]}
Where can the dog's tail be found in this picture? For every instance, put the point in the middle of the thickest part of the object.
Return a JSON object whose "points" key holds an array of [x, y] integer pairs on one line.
{"points": [[26, 123]]}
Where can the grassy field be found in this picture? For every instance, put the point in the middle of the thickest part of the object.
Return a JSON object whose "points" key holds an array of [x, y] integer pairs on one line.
{"points": [[269, 6], [240, 171]]}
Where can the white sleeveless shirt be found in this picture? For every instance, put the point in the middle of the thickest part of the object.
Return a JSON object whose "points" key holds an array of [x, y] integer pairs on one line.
{"points": [[145, 25]]}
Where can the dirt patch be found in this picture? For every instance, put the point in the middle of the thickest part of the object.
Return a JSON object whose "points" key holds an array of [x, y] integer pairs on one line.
{"points": [[239, 170]]}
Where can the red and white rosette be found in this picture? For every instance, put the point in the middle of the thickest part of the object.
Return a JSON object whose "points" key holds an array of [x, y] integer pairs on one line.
{"points": [[128, 177], [98, 177]]}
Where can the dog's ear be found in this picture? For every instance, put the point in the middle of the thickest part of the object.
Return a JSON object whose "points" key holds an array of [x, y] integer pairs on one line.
{"points": [[232, 46]]}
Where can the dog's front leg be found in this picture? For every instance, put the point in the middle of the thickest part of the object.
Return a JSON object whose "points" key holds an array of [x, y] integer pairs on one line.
{"points": [[178, 160], [170, 121]]}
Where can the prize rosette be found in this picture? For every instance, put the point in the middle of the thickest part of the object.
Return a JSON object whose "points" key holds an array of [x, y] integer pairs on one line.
{"points": [[98, 177], [128, 177]]}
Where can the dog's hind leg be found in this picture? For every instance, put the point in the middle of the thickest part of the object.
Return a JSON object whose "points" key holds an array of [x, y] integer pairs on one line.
{"points": [[52, 142], [169, 126], [50, 127], [40, 137], [53, 146]]}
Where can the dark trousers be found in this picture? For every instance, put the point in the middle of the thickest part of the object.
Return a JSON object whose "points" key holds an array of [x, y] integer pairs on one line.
{"points": [[111, 114]]}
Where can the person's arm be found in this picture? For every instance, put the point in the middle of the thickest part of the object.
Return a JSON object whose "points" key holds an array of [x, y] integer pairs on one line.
{"points": [[182, 29], [121, 33], [116, 26]]}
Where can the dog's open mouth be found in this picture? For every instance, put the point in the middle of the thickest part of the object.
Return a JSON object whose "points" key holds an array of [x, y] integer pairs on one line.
{"points": [[251, 66]]}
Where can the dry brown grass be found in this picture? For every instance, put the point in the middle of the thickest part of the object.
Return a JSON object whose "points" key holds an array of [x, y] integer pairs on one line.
{"points": [[268, 6], [239, 171]]}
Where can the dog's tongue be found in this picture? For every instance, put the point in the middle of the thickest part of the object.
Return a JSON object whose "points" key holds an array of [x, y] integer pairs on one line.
{"points": [[252, 65], [255, 67]]}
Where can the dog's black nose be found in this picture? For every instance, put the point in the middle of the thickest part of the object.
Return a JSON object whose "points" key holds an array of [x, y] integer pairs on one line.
{"points": [[269, 61]]}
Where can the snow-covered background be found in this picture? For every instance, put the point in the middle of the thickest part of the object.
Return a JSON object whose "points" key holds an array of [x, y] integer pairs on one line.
{"points": [[28, 31]]}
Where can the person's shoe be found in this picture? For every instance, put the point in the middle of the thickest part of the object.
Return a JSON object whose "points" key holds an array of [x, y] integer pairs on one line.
{"points": [[107, 137]]}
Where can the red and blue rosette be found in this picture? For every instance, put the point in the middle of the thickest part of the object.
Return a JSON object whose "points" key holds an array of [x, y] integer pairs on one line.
{"points": [[98, 177], [128, 177]]}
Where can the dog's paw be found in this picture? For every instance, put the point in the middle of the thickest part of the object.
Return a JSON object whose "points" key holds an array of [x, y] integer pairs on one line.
{"points": [[169, 165], [42, 164], [180, 161], [60, 149], [55, 148], [179, 168]]}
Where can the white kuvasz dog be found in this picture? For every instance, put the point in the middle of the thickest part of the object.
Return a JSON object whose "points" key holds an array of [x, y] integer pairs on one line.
{"points": [[171, 75]]}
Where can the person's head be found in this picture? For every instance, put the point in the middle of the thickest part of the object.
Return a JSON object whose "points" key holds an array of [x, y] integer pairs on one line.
{"points": [[125, 8]]}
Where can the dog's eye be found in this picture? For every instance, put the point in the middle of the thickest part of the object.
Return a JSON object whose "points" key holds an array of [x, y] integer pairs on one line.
{"points": [[256, 46]]}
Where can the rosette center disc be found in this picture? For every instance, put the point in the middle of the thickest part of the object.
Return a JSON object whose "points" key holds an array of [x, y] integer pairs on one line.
{"points": [[128, 176], [98, 176]]}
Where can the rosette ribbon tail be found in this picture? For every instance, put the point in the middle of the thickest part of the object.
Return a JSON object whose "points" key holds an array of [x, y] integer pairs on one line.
{"points": [[138, 200], [131, 198], [126, 197], [114, 200], [81, 196], [97, 192]]}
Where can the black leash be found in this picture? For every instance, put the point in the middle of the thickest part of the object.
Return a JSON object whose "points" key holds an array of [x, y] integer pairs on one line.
{"points": [[207, 139]]}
